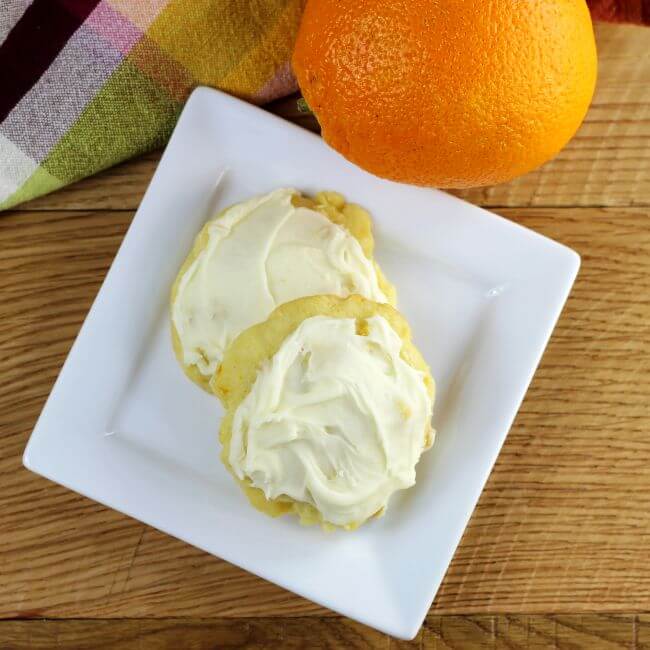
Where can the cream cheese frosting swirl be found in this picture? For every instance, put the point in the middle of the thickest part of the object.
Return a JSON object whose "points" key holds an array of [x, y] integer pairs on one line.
{"points": [[336, 418], [258, 255]]}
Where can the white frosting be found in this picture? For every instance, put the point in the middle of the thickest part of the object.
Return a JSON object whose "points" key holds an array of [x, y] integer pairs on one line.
{"points": [[260, 254], [335, 419]]}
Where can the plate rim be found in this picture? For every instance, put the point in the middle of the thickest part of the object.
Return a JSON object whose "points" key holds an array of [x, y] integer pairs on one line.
{"points": [[33, 464]]}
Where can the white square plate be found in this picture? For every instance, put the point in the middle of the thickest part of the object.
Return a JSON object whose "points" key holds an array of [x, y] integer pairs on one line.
{"points": [[124, 426]]}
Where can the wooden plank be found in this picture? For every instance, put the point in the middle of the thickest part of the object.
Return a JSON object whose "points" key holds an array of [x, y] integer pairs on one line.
{"points": [[606, 164], [591, 632], [562, 526]]}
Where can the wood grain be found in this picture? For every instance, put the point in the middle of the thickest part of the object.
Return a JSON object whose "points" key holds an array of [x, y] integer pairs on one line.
{"points": [[563, 524], [438, 633], [562, 529], [606, 164]]}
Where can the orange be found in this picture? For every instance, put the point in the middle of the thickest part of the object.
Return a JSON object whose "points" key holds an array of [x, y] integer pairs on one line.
{"points": [[447, 93]]}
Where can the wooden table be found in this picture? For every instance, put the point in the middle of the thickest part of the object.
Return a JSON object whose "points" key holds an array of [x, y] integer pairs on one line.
{"points": [[557, 553]]}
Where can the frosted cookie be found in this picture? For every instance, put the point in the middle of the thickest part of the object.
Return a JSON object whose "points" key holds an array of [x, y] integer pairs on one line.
{"points": [[328, 409], [260, 254]]}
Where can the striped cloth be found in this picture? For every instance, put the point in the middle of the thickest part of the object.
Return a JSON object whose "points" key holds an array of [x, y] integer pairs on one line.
{"points": [[89, 83]]}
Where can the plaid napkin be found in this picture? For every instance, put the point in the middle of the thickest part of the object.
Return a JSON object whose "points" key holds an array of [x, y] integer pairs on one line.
{"points": [[89, 83]]}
